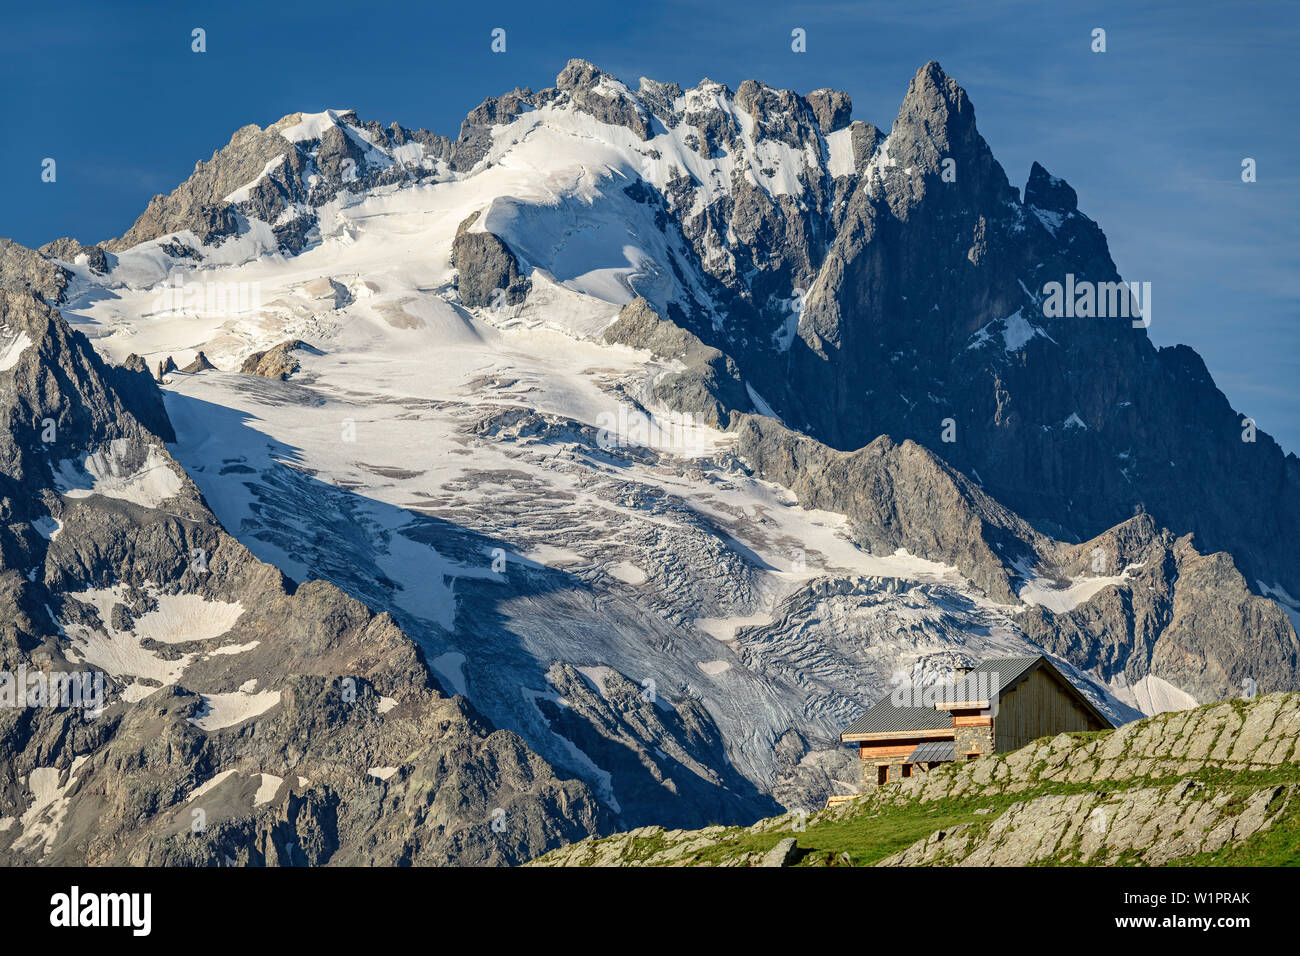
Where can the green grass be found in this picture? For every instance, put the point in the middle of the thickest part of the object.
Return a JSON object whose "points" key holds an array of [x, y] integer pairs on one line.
{"points": [[869, 837], [883, 823], [1279, 845], [879, 830], [866, 839]]}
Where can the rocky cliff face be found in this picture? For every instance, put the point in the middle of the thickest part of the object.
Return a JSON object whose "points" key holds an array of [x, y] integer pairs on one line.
{"points": [[243, 719], [928, 306], [1161, 607], [1192, 616], [1216, 784]]}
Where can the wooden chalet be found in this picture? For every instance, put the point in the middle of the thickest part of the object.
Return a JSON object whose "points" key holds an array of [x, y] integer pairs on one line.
{"points": [[998, 706]]}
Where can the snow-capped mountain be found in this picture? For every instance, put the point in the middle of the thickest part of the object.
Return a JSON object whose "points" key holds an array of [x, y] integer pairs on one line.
{"points": [[635, 411]]}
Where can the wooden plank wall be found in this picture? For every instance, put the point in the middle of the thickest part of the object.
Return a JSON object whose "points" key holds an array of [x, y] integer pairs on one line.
{"points": [[889, 749], [1038, 707]]}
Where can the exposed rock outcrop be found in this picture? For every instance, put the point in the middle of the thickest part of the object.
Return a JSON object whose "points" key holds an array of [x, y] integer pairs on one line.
{"points": [[708, 388], [199, 364], [488, 273], [898, 496], [603, 97], [69, 250], [24, 270], [1187, 617], [277, 362]]}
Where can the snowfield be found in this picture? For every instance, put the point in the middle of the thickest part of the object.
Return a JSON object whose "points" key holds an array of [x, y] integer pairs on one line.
{"points": [[599, 598]]}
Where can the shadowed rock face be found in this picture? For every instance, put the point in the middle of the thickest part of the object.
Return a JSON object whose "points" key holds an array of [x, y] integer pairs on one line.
{"points": [[247, 720], [488, 272], [709, 388], [929, 306]]}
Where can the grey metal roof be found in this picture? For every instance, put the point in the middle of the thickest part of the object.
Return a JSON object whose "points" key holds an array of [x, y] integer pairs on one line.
{"points": [[992, 678], [884, 717], [934, 751]]}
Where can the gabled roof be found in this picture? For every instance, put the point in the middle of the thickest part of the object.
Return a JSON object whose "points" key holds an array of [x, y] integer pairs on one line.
{"points": [[998, 675], [1010, 672], [993, 677], [884, 717]]}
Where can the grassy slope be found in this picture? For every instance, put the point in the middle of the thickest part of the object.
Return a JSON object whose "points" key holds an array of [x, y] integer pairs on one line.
{"points": [[865, 838], [880, 828]]}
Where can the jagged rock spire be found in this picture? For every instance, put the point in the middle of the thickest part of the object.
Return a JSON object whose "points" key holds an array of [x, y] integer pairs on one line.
{"points": [[935, 119], [833, 109], [1045, 191]]}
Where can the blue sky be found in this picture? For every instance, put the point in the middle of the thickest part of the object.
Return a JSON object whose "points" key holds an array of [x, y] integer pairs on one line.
{"points": [[1150, 133]]}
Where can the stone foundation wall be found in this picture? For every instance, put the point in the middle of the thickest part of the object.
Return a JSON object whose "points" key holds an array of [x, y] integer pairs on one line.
{"points": [[967, 739], [871, 771]]}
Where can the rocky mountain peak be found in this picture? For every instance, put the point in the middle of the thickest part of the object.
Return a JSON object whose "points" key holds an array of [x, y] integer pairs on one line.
{"points": [[578, 74], [603, 97], [28, 270], [708, 87], [60, 399], [833, 109], [937, 110], [779, 115], [936, 124], [1045, 191]]}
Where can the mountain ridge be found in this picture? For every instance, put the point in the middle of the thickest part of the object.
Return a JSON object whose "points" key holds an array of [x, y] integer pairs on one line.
{"points": [[732, 270], [935, 122]]}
